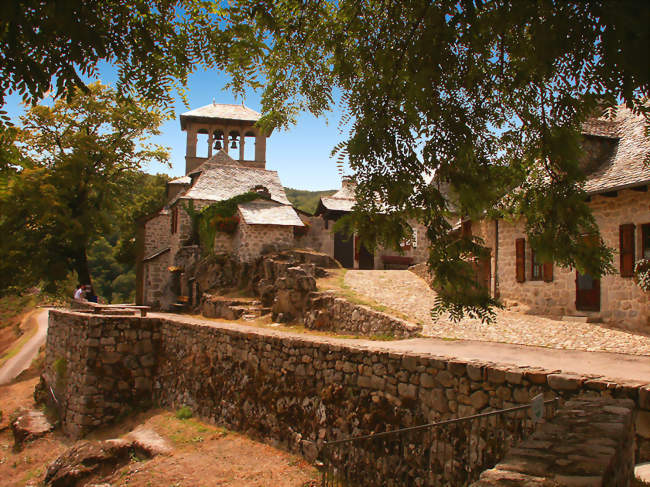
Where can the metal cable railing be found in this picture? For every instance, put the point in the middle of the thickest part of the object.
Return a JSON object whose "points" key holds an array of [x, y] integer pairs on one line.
{"points": [[447, 453]]}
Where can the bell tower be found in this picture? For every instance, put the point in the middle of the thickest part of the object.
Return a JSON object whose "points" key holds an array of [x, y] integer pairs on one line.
{"points": [[228, 127]]}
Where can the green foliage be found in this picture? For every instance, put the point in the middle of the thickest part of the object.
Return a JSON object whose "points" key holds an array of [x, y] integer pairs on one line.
{"points": [[306, 201], [60, 367], [184, 412], [79, 163], [154, 45], [220, 216], [487, 96], [642, 273]]}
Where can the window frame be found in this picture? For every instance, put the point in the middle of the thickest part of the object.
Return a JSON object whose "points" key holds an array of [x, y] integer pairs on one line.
{"points": [[536, 265]]}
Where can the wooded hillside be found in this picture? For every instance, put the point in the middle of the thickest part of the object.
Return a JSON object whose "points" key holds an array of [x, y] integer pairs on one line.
{"points": [[306, 200]]}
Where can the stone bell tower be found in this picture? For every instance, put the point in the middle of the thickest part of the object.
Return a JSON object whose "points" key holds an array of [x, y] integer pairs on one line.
{"points": [[228, 127]]}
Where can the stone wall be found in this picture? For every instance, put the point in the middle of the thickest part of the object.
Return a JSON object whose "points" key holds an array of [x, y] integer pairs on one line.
{"points": [[587, 443], [622, 301], [156, 280], [157, 233], [99, 367], [326, 312], [294, 390], [251, 241]]}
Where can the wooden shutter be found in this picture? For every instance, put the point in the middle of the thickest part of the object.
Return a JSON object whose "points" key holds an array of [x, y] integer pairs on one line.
{"points": [[548, 271], [466, 228], [626, 233], [520, 250]]}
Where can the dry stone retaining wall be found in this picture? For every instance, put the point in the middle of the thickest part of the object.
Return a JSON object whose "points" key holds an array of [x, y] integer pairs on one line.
{"points": [[327, 312], [587, 443], [293, 390]]}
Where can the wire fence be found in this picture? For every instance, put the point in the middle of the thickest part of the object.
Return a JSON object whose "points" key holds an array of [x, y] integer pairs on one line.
{"points": [[448, 453]]}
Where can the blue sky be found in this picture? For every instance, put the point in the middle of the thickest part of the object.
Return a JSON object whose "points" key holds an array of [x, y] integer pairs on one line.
{"points": [[301, 154]]}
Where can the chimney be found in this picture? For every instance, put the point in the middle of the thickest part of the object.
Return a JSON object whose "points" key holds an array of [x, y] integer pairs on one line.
{"points": [[348, 183]]}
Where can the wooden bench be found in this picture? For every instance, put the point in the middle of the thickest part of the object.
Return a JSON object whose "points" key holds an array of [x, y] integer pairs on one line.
{"points": [[96, 308], [396, 261]]}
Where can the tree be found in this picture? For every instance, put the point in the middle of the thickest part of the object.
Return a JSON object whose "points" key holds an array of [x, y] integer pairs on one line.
{"points": [[78, 160], [486, 96], [154, 44]]}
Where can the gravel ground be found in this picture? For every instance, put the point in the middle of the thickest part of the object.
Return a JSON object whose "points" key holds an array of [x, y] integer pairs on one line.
{"points": [[405, 292]]}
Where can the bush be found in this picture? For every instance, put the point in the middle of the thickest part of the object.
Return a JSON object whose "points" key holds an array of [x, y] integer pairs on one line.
{"points": [[184, 413], [642, 273]]}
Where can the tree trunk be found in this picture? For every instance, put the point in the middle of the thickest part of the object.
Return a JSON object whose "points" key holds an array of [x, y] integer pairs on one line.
{"points": [[81, 266]]}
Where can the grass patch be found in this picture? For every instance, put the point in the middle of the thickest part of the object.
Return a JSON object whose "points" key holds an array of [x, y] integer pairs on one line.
{"points": [[184, 412], [18, 345], [336, 282], [12, 307]]}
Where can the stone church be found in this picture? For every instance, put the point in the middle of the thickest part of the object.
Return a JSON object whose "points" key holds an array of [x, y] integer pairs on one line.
{"points": [[224, 169]]}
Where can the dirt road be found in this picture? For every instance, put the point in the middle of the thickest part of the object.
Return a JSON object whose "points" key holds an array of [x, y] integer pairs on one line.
{"points": [[19, 362]]}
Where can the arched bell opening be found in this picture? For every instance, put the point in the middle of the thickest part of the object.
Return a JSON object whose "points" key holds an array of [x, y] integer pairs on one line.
{"points": [[202, 143], [249, 146], [218, 141]]}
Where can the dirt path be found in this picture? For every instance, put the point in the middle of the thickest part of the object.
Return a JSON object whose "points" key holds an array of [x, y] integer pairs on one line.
{"points": [[405, 292], [19, 362]]}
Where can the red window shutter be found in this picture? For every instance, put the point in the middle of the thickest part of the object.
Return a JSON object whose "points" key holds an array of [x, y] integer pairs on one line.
{"points": [[626, 233], [548, 271], [466, 228], [520, 249]]}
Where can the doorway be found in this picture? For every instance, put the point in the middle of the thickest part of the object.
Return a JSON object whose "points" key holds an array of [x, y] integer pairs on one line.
{"points": [[366, 259], [344, 249], [587, 292]]}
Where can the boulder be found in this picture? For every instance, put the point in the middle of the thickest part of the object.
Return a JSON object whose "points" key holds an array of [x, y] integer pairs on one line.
{"points": [[28, 426]]}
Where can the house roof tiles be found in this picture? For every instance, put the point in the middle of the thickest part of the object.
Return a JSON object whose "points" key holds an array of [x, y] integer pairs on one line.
{"points": [[264, 212], [220, 111], [218, 183], [627, 166]]}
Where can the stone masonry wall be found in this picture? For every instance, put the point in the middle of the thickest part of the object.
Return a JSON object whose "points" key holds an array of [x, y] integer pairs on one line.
{"points": [[295, 390], [622, 301], [251, 241], [587, 443], [328, 312], [99, 367], [156, 277], [157, 233]]}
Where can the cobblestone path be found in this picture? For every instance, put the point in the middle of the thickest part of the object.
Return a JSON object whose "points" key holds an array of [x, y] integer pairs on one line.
{"points": [[405, 292]]}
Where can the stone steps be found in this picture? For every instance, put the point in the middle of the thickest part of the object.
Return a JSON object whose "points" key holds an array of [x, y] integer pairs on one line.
{"points": [[226, 308]]}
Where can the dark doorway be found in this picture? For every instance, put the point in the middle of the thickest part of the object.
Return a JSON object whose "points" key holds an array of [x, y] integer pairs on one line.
{"points": [[587, 288], [587, 292], [344, 250], [484, 272], [366, 258]]}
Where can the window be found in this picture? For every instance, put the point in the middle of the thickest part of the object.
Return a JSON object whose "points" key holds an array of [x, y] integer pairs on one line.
{"points": [[536, 267], [466, 228], [626, 233], [175, 220], [520, 252], [645, 241]]}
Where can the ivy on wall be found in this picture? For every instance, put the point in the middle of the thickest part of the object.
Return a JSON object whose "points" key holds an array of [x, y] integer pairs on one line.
{"points": [[217, 217]]}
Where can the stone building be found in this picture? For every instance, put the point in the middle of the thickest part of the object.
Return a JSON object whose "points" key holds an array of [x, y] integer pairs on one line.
{"points": [[617, 187], [166, 241], [348, 250]]}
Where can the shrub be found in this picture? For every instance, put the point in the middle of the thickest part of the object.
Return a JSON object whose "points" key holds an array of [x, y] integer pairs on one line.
{"points": [[642, 273], [184, 413]]}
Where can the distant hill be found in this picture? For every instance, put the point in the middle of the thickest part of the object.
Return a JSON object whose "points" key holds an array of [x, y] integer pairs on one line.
{"points": [[306, 200]]}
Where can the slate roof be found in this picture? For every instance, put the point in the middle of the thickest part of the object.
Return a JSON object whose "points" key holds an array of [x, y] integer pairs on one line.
{"points": [[626, 167], [220, 111], [342, 200], [264, 212], [183, 180], [218, 183]]}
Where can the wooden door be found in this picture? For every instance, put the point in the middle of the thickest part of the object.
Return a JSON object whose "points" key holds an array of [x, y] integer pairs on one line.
{"points": [[587, 292], [344, 250], [587, 288], [366, 258]]}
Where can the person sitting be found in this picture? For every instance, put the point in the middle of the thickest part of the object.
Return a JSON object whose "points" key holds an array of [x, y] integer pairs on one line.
{"points": [[80, 293]]}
